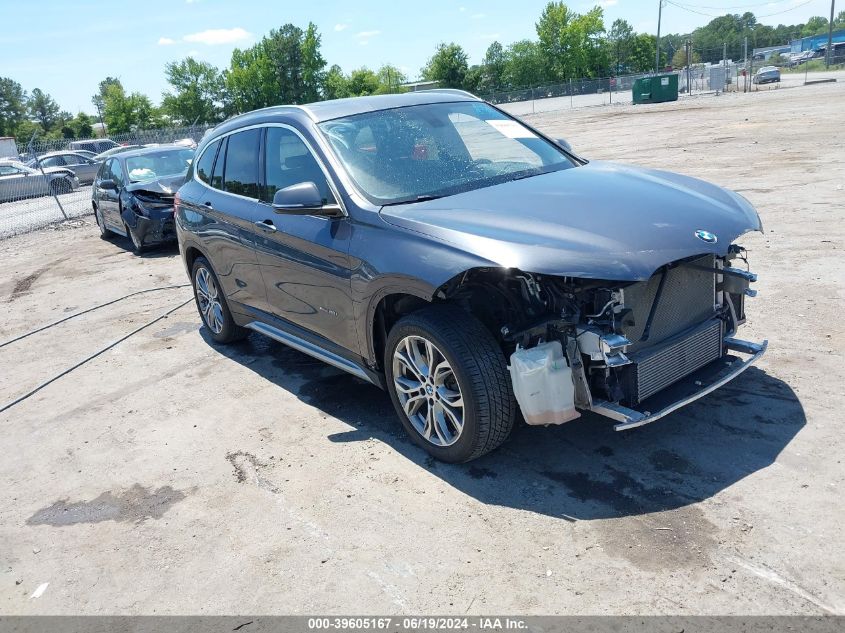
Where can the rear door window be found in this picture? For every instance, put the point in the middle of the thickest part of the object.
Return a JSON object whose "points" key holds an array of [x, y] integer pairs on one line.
{"points": [[240, 174]]}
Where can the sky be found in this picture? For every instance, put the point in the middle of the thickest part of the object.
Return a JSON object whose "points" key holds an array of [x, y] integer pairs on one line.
{"points": [[66, 48]]}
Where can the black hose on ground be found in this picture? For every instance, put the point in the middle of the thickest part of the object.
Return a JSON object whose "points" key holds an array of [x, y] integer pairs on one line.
{"points": [[32, 392], [102, 305]]}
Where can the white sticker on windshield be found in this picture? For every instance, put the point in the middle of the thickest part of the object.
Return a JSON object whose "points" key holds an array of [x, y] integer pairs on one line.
{"points": [[511, 129]]}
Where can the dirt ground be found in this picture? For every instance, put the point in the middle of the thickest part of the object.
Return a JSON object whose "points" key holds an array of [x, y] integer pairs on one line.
{"points": [[168, 476]]}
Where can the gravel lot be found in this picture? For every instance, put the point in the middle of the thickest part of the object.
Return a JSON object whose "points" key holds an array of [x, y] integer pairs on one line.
{"points": [[168, 476]]}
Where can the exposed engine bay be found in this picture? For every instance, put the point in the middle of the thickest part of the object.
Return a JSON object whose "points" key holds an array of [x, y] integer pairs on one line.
{"points": [[624, 342]]}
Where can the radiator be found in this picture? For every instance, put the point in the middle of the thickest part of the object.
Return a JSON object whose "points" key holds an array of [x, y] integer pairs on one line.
{"points": [[661, 365]]}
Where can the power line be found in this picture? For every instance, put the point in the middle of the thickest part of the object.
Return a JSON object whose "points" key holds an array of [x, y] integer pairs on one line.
{"points": [[711, 15]]}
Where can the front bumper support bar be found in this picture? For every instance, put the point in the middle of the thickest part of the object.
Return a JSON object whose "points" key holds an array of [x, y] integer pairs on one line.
{"points": [[630, 418]]}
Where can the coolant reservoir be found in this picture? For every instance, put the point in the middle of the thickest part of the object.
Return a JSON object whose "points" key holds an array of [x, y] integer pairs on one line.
{"points": [[542, 383]]}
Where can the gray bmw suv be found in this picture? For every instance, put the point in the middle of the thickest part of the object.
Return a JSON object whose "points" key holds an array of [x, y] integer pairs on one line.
{"points": [[435, 246]]}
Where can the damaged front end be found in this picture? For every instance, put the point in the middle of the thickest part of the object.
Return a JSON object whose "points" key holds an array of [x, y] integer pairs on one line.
{"points": [[149, 213], [633, 351]]}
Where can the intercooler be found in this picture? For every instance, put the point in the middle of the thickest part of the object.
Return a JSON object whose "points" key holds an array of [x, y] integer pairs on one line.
{"points": [[677, 335]]}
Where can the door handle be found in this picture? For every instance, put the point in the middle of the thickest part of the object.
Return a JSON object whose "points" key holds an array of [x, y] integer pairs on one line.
{"points": [[266, 225], [208, 204]]}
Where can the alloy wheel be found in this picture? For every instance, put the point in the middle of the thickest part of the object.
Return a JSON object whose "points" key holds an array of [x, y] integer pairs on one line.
{"points": [[428, 390], [208, 300]]}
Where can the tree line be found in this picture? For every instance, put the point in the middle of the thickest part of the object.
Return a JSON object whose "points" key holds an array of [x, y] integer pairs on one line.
{"points": [[287, 66]]}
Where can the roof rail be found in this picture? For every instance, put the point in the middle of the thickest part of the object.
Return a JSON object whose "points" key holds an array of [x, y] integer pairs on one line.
{"points": [[452, 91]]}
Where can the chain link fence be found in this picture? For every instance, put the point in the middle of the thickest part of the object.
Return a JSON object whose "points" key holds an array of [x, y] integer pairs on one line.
{"points": [[35, 194]]}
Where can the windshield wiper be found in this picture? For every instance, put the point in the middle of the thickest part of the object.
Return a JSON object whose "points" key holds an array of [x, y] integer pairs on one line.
{"points": [[422, 198]]}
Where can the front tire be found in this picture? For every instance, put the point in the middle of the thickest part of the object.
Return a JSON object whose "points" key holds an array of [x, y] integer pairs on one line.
{"points": [[449, 383], [212, 306], [138, 246]]}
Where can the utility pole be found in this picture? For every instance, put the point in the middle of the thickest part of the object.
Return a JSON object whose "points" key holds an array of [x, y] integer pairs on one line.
{"points": [[830, 35], [744, 63], [657, 55]]}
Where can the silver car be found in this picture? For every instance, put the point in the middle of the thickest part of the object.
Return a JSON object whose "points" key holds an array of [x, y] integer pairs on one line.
{"points": [[18, 181], [84, 167]]}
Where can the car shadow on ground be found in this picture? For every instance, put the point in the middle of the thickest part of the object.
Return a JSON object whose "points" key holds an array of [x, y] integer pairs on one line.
{"points": [[580, 470], [152, 251]]}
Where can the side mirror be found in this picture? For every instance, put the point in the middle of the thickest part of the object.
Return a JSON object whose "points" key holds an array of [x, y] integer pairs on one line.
{"points": [[565, 144], [108, 184], [302, 198]]}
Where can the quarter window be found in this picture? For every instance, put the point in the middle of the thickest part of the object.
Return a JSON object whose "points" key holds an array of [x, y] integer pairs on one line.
{"points": [[240, 175], [217, 175], [206, 162], [288, 161]]}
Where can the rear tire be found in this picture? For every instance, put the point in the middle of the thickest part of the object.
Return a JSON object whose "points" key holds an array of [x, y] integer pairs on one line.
{"points": [[443, 367], [105, 234], [212, 306], [60, 186]]}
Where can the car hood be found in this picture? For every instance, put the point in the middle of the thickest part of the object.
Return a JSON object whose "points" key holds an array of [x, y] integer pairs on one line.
{"points": [[164, 187], [600, 221]]}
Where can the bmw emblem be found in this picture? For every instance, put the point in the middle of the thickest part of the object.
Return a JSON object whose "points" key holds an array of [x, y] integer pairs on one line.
{"points": [[706, 236]]}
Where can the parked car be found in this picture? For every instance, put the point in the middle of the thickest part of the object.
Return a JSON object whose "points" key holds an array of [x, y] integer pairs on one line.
{"points": [[85, 168], [437, 247], [133, 193], [115, 150], [86, 153], [95, 145], [17, 181], [767, 74]]}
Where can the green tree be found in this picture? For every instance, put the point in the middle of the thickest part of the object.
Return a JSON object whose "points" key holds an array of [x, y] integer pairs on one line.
{"points": [[525, 65], [474, 79], [313, 64], [98, 100], [619, 40], [82, 126], [390, 79], [44, 109], [571, 43], [363, 82], [448, 66], [12, 106], [643, 50], [679, 59], [815, 26], [493, 69], [124, 113], [197, 92], [335, 83]]}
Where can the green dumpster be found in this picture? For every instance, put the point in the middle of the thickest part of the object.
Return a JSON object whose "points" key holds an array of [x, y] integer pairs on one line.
{"points": [[655, 89]]}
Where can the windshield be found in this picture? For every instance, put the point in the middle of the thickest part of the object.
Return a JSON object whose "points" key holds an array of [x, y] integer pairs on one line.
{"points": [[435, 150], [152, 165]]}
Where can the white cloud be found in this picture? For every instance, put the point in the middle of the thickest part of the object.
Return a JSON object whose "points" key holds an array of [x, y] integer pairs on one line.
{"points": [[341, 27], [462, 9], [607, 3], [213, 37], [165, 41], [367, 34], [191, 1], [478, 16]]}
